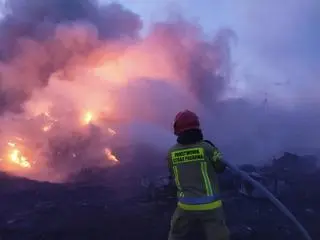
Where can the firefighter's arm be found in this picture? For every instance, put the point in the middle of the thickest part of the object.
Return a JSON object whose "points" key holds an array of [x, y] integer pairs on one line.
{"points": [[218, 164], [171, 176]]}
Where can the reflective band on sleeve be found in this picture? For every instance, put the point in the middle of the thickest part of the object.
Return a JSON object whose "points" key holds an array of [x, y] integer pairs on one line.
{"points": [[206, 179], [200, 207]]}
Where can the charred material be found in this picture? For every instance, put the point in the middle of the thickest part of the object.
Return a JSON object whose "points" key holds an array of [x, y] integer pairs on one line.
{"points": [[98, 202]]}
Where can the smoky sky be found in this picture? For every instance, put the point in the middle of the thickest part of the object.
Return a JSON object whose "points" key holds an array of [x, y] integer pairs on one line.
{"points": [[245, 129], [278, 58], [37, 20]]}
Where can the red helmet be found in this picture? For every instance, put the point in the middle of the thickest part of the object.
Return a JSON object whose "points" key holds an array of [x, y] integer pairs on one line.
{"points": [[185, 120]]}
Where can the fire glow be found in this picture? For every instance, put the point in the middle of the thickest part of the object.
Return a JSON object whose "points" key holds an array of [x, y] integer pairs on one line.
{"points": [[80, 83], [16, 157], [110, 156], [88, 117]]}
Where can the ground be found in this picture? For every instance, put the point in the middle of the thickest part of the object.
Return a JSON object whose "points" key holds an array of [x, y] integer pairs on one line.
{"points": [[89, 210]]}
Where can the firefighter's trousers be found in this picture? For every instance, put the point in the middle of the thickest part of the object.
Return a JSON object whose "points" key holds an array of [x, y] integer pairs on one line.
{"points": [[212, 222]]}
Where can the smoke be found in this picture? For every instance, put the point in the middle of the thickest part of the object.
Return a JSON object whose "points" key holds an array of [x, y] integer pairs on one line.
{"points": [[284, 47], [78, 79], [81, 87], [40, 39], [276, 72]]}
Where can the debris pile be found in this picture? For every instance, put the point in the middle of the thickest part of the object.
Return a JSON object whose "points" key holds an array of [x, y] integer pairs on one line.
{"points": [[97, 203]]}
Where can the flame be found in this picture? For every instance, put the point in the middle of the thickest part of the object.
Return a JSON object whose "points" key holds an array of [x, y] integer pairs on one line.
{"points": [[88, 117], [110, 156], [17, 157], [102, 81], [47, 127]]}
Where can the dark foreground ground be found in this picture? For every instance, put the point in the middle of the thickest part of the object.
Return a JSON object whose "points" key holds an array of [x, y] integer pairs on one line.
{"points": [[124, 209]]}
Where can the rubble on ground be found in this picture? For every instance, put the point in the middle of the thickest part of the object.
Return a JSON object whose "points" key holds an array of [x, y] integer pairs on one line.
{"points": [[112, 204]]}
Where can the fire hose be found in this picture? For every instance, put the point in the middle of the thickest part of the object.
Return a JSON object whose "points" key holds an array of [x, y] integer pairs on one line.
{"points": [[271, 197]]}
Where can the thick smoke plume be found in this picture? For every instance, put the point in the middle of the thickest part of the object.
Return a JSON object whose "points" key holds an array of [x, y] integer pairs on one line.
{"points": [[81, 88], [78, 80]]}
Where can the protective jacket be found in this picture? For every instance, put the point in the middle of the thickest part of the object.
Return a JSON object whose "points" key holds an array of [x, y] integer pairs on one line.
{"points": [[193, 168]]}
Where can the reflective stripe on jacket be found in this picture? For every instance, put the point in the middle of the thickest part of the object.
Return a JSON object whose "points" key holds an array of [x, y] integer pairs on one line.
{"points": [[194, 174]]}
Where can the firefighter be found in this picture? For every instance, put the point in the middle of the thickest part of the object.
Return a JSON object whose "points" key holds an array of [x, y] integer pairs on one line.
{"points": [[193, 163]]}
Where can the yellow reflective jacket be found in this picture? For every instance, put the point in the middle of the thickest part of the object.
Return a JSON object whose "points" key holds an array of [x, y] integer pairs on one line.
{"points": [[193, 169]]}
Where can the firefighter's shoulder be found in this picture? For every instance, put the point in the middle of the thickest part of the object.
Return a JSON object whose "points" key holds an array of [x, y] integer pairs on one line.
{"points": [[209, 144], [173, 148]]}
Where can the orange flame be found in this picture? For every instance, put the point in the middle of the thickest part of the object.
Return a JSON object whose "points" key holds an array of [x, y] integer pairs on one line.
{"points": [[17, 157], [110, 156], [96, 83]]}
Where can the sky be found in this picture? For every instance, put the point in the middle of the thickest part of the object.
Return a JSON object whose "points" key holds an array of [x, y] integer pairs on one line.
{"points": [[277, 41]]}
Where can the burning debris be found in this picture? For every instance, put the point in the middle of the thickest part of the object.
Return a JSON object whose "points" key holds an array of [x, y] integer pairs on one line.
{"points": [[42, 149], [14, 155], [17, 157], [70, 66], [110, 156]]}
